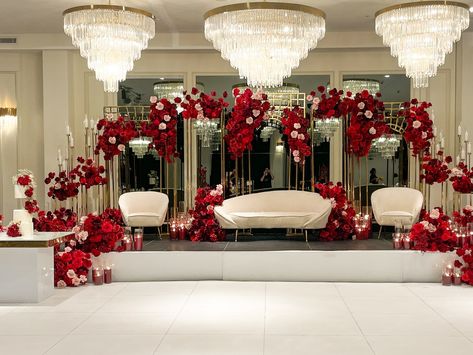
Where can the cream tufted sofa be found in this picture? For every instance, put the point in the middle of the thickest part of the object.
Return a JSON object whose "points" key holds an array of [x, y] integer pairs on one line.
{"points": [[144, 208], [396, 205], [274, 209]]}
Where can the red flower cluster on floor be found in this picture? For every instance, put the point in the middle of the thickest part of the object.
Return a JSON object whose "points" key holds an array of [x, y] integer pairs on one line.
{"points": [[433, 232], [204, 226], [366, 122], [162, 127], [71, 267], [98, 234], [13, 229], [60, 220], [89, 173], [204, 107], [63, 185], [114, 136], [341, 223], [435, 169], [248, 114], [295, 133], [461, 179], [419, 125]]}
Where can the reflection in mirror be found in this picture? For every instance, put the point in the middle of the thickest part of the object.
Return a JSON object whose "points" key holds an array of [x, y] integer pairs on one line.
{"points": [[266, 166], [388, 157]]}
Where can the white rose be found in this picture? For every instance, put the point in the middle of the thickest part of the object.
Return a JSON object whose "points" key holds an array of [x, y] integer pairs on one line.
{"points": [[71, 273], [67, 249], [310, 98], [198, 107], [372, 130], [121, 147]]}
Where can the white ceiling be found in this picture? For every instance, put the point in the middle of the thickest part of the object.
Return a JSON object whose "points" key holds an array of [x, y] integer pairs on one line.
{"points": [[45, 16]]}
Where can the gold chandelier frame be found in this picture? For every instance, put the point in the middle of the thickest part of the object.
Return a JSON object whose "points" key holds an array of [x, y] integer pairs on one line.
{"points": [[420, 4], [109, 7]]}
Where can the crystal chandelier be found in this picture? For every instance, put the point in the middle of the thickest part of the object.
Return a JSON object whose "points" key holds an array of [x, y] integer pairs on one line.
{"points": [[206, 129], [110, 37], [387, 145], [358, 85], [327, 127], [172, 88], [264, 40], [421, 34], [140, 146]]}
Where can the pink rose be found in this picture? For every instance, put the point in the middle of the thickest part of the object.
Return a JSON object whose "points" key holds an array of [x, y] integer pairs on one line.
{"points": [[61, 284], [424, 135], [295, 153], [434, 214], [167, 118], [372, 131], [368, 114], [256, 113], [297, 125], [294, 134], [121, 147], [198, 107], [301, 137], [310, 98], [297, 159], [71, 273], [162, 126], [249, 120], [112, 140], [159, 106], [153, 99], [416, 124], [361, 105]]}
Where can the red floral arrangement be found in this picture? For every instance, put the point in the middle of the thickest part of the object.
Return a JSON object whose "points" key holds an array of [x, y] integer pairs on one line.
{"points": [[465, 264], [63, 185], [204, 107], [341, 224], [71, 267], [366, 122], [60, 220], [13, 229], [436, 170], [2, 228], [25, 179], [89, 173], [248, 114], [433, 233], [162, 127], [204, 226], [98, 234], [464, 217], [461, 179], [329, 105], [115, 135], [295, 130], [419, 125]]}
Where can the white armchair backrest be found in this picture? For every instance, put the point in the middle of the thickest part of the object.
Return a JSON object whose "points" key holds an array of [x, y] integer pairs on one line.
{"points": [[143, 202], [277, 201], [397, 199]]}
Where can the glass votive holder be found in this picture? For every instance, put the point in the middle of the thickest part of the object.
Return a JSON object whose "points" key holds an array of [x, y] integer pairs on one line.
{"points": [[457, 278], [138, 240], [97, 276], [127, 243], [107, 273]]}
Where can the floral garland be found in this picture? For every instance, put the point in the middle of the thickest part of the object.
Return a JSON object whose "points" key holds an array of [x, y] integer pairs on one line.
{"points": [[13, 229], [419, 125], [60, 220], [433, 232], [98, 234], [366, 122], [63, 186], [341, 223], [204, 226], [248, 114], [436, 170], [461, 179], [71, 267], [162, 127], [116, 134], [89, 173], [329, 105], [204, 107], [295, 132], [25, 179]]}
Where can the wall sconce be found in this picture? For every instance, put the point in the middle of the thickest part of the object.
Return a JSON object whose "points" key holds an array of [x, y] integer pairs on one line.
{"points": [[7, 111], [279, 146]]}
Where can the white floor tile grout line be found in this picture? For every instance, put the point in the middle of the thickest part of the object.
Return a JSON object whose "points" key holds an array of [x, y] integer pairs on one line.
{"points": [[439, 314], [177, 315], [354, 318]]}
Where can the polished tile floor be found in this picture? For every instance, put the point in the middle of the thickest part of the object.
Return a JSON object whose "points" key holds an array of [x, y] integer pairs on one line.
{"points": [[216, 317]]}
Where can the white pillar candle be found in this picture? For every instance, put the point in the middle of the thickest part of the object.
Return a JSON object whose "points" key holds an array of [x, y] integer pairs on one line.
{"points": [[463, 155], [71, 142], [459, 131], [432, 116], [468, 148], [458, 159], [86, 122], [68, 130], [92, 124], [59, 156], [437, 148], [442, 142], [466, 136], [434, 131]]}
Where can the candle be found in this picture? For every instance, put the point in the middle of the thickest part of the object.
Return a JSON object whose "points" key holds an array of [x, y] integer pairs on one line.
{"points": [[71, 141], [397, 241], [434, 131], [97, 276], [59, 156], [466, 136], [127, 244], [468, 148], [173, 231], [88, 141], [107, 272], [437, 148], [457, 278], [86, 122], [182, 232], [442, 142], [446, 278], [68, 130], [459, 131], [463, 155], [92, 124], [406, 242], [458, 159], [138, 239]]}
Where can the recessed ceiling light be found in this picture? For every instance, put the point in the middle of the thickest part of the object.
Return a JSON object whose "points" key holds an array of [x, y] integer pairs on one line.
{"points": [[387, 76], [161, 78], [471, 9]]}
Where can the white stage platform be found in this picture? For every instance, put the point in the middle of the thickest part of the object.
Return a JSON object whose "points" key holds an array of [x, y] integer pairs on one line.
{"points": [[286, 265]]}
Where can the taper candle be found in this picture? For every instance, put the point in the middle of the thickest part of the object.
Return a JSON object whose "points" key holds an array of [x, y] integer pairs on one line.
{"points": [[459, 131], [466, 136]]}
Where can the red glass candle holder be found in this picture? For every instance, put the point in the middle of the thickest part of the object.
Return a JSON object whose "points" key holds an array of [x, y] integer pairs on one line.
{"points": [[457, 278], [406, 242], [138, 242], [127, 243], [397, 241], [107, 273], [97, 276], [447, 279], [173, 233], [182, 232]]}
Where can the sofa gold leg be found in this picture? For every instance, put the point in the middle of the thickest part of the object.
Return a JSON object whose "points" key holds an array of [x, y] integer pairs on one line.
{"points": [[306, 233], [236, 235], [159, 233], [380, 229]]}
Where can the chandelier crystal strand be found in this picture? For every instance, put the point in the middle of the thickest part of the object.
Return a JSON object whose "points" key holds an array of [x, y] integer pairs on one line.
{"points": [[358, 85], [421, 34], [110, 37], [264, 40]]}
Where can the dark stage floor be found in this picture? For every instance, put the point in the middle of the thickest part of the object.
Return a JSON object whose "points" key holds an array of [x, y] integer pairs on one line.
{"points": [[257, 243]]}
